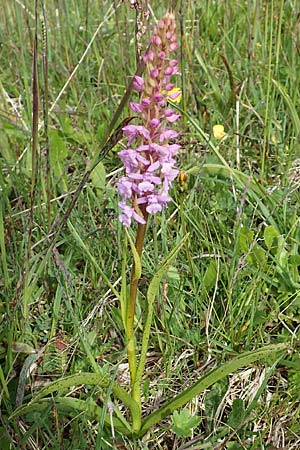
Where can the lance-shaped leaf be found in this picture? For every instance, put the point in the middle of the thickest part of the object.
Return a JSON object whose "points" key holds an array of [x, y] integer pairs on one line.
{"points": [[73, 406], [84, 378], [206, 381]]}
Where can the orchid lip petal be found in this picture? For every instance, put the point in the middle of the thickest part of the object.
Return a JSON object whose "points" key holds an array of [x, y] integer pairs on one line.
{"points": [[138, 83], [136, 107]]}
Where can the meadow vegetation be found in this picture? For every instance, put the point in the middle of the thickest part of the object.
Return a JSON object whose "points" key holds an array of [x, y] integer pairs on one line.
{"points": [[234, 285]]}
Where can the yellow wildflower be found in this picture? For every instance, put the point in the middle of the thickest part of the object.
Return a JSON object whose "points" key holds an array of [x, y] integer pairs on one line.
{"points": [[218, 131], [174, 95]]}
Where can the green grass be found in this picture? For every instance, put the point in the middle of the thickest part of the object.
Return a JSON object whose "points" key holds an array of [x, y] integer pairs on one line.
{"points": [[233, 287]]}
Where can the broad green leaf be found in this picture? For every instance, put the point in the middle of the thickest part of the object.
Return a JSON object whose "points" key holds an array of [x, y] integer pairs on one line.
{"points": [[58, 149], [98, 178], [66, 125], [58, 154], [101, 130], [270, 234], [282, 254], [210, 276], [208, 380], [173, 273], [184, 423], [237, 414], [257, 256], [245, 239], [91, 337]]}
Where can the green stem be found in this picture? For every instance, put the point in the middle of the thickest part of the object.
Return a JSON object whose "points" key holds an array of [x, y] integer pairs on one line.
{"points": [[131, 342], [136, 388], [134, 280], [151, 295]]}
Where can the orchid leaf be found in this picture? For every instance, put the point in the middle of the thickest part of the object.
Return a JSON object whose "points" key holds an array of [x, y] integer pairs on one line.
{"points": [[79, 379], [74, 406], [208, 380]]}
